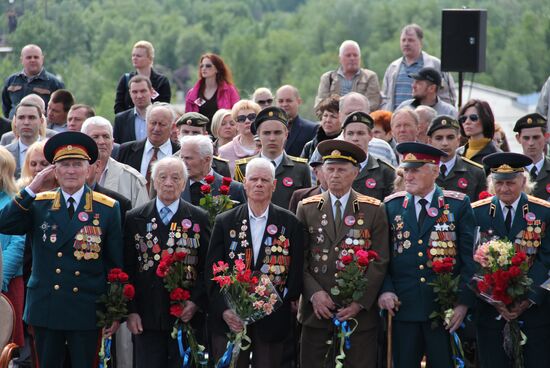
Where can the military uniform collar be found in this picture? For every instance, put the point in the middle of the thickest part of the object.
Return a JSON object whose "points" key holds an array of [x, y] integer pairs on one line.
{"points": [[77, 196], [539, 164], [451, 164], [277, 159]]}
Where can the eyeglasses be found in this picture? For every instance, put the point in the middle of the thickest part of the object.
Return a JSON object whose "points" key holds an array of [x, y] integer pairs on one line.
{"points": [[207, 66], [472, 117], [242, 118], [269, 101]]}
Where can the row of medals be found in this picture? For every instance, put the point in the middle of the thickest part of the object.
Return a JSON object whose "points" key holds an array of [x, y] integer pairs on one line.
{"points": [[530, 238], [442, 244], [178, 241], [276, 260], [87, 242]]}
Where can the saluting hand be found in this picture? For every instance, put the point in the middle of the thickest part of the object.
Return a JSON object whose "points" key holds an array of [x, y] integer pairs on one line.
{"points": [[390, 302], [44, 176], [322, 305]]}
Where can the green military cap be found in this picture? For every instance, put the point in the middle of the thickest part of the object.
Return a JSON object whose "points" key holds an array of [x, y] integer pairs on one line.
{"points": [[506, 165], [359, 117], [417, 154], [336, 150], [67, 145], [530, 121], [193, 119], [270, 113], [443, 122]]}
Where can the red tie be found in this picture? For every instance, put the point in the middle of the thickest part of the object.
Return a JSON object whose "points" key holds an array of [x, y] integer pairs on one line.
{"points": [[151, 162]]}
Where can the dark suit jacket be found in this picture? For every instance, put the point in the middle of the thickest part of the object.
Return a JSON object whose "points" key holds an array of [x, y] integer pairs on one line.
{"points": [[301, 132], [5, 126], [125, 203], [236, 190], [124, 129], [131, 153], [221, 166], [152, 301], [276, 326], [300, 194]]}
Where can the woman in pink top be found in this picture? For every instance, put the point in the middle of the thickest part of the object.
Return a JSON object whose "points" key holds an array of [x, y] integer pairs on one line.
{"points": [[214, 90], [243, 145]]}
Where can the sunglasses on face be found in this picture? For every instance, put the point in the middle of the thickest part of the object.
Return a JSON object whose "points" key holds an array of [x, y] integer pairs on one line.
{"points": [[242, 118], [269, 101], [207, 66], [472, 117]]}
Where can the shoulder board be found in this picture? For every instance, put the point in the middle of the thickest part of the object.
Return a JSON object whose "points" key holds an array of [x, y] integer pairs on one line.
{"points": [[453, 194], [298, 159], [382, 161], [537, 200], [395, 195], [103, 199], [482, 202], [45, 195], [243, 160], [313, 199], [220, 159], [369, 200], [467, 160]]}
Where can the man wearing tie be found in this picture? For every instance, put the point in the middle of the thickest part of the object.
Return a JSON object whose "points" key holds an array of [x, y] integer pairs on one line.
{"points": [[251, 232]]}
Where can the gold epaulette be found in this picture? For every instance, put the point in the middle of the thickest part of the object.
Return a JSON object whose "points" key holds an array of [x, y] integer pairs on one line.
{"points": [[45, 195], [103, 199], [314, 199], [220, 159], [243, 160], [482, 202], [298, 159], [239, 176], [472, 162], [537, 200], [369, 200], [454, 194], [395, 195]]}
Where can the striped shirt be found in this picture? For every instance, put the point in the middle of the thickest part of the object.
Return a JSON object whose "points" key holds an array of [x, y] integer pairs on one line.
{"points": [[403, 83]]}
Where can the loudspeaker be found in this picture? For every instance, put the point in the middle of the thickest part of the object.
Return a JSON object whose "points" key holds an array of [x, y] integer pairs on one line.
{"points": [[463, 40]]}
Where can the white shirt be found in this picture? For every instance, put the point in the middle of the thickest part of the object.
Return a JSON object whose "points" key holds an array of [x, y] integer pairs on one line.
{"points": [[538, 165], [343, 200], [76, 196], [364, 163], [22, 152], [450, 164], [417, 199], [191, 181], [257, 230], [172, 206], [164, 150], [277, 159], [505, 210]]}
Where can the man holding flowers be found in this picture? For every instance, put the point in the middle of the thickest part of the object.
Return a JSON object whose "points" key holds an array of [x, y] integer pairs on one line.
{"points": [[431, 232], [164, 231], [513, 216]]}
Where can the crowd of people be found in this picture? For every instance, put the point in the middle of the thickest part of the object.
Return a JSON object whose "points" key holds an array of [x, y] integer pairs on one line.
{"points": [[397, 169]]}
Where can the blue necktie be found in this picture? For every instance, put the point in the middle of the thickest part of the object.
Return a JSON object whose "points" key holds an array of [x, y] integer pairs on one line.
{"points": [[165, 213]]}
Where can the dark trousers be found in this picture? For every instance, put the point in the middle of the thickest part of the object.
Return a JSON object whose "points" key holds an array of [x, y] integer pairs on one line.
{"points": [[264, 354], [536, 352], [314, 348], [83, 347], [156, 349], [413, 340]]}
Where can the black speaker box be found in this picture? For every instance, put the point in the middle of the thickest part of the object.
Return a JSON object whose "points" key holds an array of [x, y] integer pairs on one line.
{"points": [[463, 40]]}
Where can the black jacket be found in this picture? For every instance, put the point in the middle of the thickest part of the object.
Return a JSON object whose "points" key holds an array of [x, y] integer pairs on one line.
{"points": [[160, 84], [310, 146], [131, 153], [124, 129]]}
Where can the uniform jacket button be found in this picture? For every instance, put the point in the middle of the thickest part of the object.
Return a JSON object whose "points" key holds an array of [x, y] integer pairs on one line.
{"points": [[75, 290], [77, 273], [59, 254], [56, 287], [58, 270], [422, 279]]}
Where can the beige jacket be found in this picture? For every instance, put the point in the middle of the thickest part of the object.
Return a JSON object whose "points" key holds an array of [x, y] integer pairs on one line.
{"points": [[127, 181]]}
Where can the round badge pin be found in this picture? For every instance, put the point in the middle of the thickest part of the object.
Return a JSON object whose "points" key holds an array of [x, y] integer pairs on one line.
{"points": [[186, 223], [232, 233], [349, 220], [530, 216], [287, 182], [370, 183], [463, 183], [83, 216], [272, 229], [432, 211]]}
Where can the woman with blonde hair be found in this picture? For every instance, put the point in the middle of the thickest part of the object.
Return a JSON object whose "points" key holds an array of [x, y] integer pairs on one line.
{"points": [[34, 163], [13, 247], [224, 128]]}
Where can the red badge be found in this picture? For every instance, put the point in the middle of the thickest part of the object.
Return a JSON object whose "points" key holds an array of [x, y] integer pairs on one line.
{"points": [[530, 216], [547, 188], [370, 183], [272, 229], [287, 182], [83, 216], [186, 224], [349, 220], [462, 183], [432, 211]]}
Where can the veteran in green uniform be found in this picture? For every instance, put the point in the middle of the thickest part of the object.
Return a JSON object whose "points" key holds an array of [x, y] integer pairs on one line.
{"points": [[532, 133], [337, 220], [524, 220], [291, 172], [76, 239], [376, 176], [427, 224], [455, 172]]}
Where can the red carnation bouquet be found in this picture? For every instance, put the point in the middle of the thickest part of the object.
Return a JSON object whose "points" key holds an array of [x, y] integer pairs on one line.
{"points": [[503, 282], [172, 270], [114, 307], [251, 297], [217, 204], [351, 284]]}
